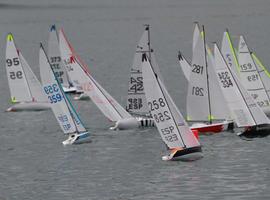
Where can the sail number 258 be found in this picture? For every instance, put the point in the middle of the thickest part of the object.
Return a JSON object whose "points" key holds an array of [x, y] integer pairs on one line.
{"points": [[160, 116], [53, 93]]}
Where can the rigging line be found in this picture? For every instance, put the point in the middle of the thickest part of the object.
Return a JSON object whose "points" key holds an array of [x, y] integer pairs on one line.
{"points": [[207, 77]]}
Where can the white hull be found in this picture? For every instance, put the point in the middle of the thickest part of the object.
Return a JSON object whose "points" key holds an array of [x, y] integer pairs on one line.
{"points": [[77, 138], [132, 123], [29, 106], [82, 97], [189, 154], [69, 89]]}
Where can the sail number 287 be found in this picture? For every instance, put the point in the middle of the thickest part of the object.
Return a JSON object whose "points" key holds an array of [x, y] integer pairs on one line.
{"points": [[53, 93]]}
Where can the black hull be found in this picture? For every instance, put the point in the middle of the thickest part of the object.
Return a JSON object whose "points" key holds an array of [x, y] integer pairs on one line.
{"points": [[256, 132]]}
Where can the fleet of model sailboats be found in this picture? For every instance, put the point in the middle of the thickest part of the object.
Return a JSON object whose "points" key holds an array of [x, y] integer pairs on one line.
{"points": [[228, 87]]}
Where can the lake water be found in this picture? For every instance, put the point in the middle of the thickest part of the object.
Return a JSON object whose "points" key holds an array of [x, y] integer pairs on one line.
{"points": [[126, 164]]}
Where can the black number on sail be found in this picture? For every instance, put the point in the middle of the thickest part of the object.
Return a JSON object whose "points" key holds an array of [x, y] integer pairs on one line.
{"points": [[16, 75], [253, 77], [161, 117], [156, 104], [197, 91], [137, 84], [229, 60], [245, 67], [168, 133], [225, 79], [197, 69], [14, 61]]}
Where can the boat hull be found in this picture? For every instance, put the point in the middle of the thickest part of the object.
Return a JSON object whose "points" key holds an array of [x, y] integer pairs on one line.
{"points": [[256, 131], [69, 89], [82, 97], [29, 106], [188, 154], [145, 122], [77, 138], [212, 128]]}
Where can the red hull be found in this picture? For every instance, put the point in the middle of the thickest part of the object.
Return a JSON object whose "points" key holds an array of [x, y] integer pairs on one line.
{"points": [[210, 128]]}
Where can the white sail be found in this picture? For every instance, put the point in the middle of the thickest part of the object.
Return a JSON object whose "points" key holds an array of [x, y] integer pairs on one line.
{"points": [[250, 77], [197, 96], [33, 83], [76, 119], [103, 100], [55, 95], [170, 123], [67, 56], [243, 108], [265, 75], [18, 85], [196, 35], [136, 102], [185, 66], [219, 108], [55, 58], [228, 52]]}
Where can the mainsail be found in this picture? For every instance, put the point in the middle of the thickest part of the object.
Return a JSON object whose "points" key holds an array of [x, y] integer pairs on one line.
{"points": [[55, 95], [265, 75], [228, 52], [250, 76], [198, 88], [55, 58], [136, 102]]}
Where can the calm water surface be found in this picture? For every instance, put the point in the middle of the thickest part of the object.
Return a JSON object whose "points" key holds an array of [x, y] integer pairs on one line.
{"points": [[127, 164]]}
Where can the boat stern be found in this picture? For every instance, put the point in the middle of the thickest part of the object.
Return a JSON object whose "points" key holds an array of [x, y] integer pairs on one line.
{"points": [[77, 138], [187, 154]]}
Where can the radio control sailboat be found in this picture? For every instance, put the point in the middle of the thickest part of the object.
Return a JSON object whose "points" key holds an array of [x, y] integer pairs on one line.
{"points": [[62, 108], [175, 132], [25, 88], [244, 110]]}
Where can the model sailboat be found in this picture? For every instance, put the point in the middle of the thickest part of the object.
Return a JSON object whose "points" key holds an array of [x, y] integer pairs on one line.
{"points": [[136, 101], [62, 108], [251, 78], [56, 61], [244, 110], [171, 125], [103, 100], [204, 100], [25, 89]]}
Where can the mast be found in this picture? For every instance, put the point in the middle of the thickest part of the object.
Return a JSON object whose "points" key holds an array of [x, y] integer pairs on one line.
{"points": [[147, 28], [207, 76]]}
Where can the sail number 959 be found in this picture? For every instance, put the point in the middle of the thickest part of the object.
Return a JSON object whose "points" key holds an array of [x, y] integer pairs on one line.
{"points": [[53, 93]]}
